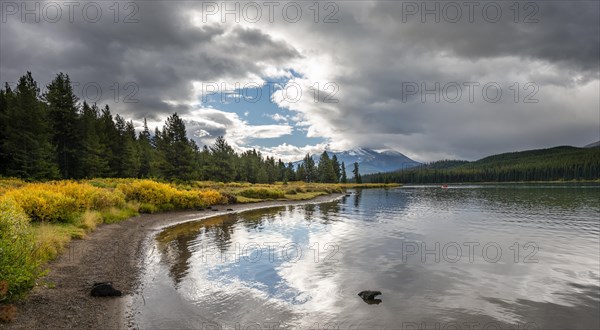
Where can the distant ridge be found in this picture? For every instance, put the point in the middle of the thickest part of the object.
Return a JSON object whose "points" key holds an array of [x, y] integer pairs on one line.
{"points": [[593, 145], [557, 163]]}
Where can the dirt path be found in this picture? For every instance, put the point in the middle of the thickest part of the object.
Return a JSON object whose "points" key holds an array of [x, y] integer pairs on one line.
{"points": [[111, 253]]}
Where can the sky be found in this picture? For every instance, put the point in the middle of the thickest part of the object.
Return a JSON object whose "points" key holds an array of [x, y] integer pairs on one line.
{"points": [[432, 79]]}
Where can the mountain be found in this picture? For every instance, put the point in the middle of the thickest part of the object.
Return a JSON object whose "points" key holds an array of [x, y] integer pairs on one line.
{"points": [[593, 145], [558, 163], [371, 161]]}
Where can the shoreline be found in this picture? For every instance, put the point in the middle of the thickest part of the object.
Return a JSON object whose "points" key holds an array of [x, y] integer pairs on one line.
{"points": [[114, 253], [588, 182]]}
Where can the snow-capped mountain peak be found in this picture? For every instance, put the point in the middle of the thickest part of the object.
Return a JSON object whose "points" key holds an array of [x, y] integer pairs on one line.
{"points": [[372, 161]]}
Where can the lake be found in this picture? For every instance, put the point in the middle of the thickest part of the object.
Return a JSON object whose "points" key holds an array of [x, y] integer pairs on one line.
{"points": [[507, 256]]}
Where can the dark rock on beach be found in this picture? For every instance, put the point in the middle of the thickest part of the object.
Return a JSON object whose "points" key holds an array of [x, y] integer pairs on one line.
{"points": [[104, 289]]}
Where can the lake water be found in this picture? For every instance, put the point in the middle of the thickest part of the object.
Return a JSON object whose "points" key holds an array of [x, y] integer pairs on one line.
{"points": [[466, 257]]}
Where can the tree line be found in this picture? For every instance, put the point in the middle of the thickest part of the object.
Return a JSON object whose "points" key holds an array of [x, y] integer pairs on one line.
{"points": [[51, 135], [554, 164]]}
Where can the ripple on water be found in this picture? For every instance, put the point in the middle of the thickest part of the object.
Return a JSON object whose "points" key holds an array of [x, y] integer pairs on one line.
{"points": [[548, 272]]}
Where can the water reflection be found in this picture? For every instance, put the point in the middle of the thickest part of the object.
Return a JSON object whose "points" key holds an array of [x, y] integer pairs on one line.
{"points": [[309, 211], [500, 256], [357, 195]]}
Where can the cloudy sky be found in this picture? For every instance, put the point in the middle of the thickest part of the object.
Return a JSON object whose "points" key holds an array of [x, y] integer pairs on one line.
{"points": [[430, 79]]}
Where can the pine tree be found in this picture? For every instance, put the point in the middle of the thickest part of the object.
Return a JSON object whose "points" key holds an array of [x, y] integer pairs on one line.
{"points": [[336, 168], [109, 139], [262, 176], [309, 169], [62, 104], [125, 162], [177, 151], [271, 169], [131, 155], [203, 162], [222, 167], [281, 171], [290, 174], [325, 169], [356, 173], [27, 145], [301, 173], [6, 96], [93, 160], [250, 161], [146, 153], [344, 179]]}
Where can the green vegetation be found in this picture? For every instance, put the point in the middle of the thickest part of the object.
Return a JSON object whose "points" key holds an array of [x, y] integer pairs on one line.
{"points": [[50, 139], [553, 164], [262, 193], [50, 135], [18, 265], [37, 220]]}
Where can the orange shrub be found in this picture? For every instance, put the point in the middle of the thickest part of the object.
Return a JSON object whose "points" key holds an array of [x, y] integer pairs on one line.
{"points": [[212, 197], [42, 204], [195, 199], [148, 191], [87, 196], [164, 196]]}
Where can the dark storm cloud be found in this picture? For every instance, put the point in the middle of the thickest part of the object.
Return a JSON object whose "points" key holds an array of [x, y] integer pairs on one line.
{"points": [[369, 54], [161, 54], [376, 52], [556, 31]]}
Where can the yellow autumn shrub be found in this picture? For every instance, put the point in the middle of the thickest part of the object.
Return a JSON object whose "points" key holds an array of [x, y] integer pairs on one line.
{"points": [[87, 196], [188, 200], [43, 204], [197, 199], [262, 193], [212, 197], [155, 196], [7, 184], [148, 191]]}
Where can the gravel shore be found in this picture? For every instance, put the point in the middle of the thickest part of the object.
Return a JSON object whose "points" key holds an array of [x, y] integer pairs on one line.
{"points": [[111, 253]]}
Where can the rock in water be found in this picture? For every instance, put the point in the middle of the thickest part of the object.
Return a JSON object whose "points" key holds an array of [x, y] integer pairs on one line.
{"points": [[369, 295], [104, 289], [373, 301]]}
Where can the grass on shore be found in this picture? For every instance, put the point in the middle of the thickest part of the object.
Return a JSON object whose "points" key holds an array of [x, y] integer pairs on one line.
{"points": [[37, 220]]}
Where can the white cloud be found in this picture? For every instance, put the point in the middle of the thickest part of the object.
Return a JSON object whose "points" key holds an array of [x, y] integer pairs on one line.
{"points": [[278, 117], [290, 153], [365, 58], [206, 124]]}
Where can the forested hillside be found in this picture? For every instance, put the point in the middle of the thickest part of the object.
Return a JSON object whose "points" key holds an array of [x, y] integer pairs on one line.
{"points": [[559, 163], [51, 135]]}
